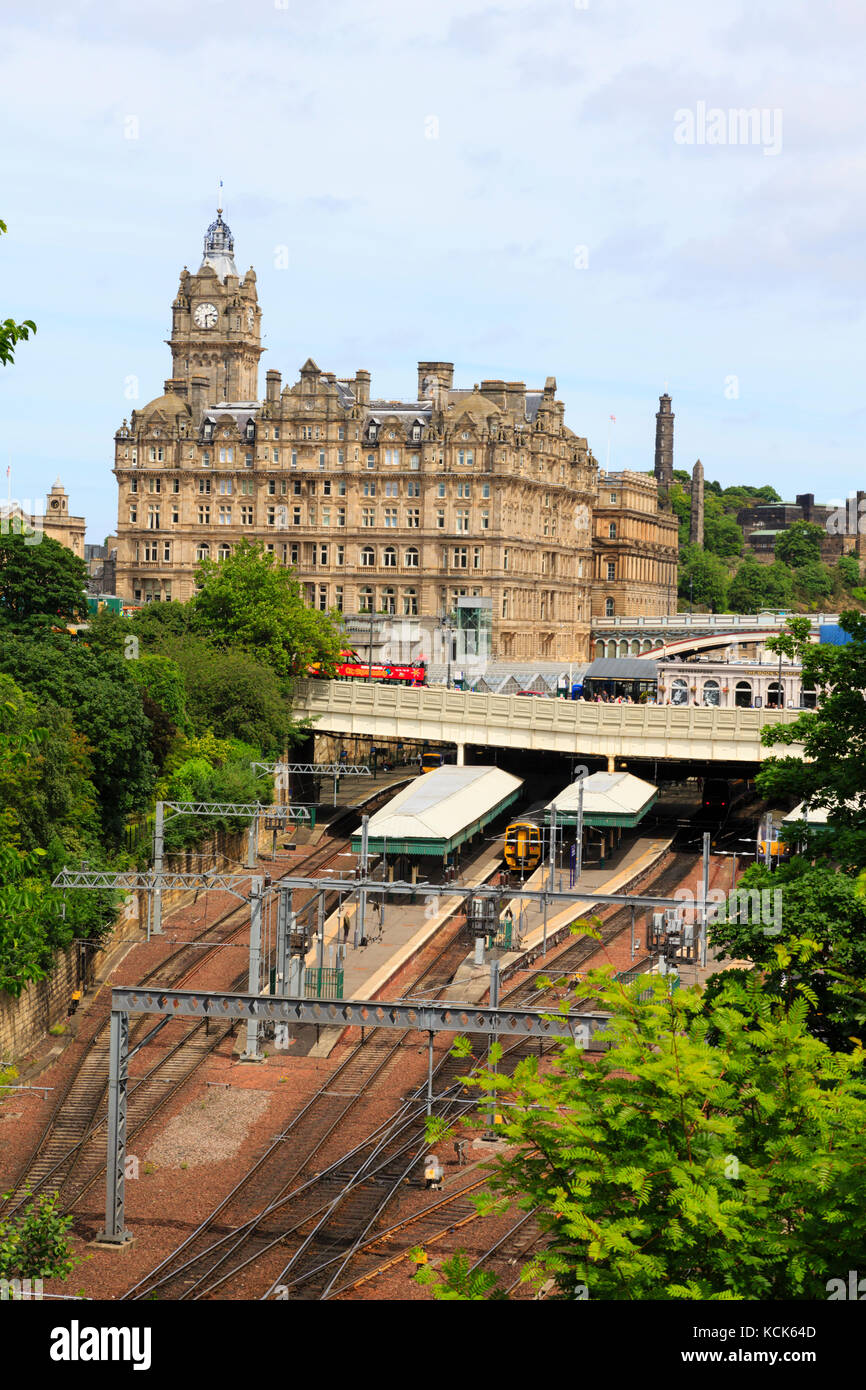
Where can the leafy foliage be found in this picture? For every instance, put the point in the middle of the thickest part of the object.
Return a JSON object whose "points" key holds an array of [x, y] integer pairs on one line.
{"points": [[42, 581], [12, 333], [35, 1245], [715, 1151], [703, 579], [800, 544]]}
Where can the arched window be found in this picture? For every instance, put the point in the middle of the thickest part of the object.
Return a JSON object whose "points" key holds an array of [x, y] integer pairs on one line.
{"points": [[611, 531], [365, 599], [623, 648], [743, 695], [224, 552], [389, 557], [410, 558], [389, 601], [611, 649], [647, 645], [679, 691], [410, 603], [599, 650], [202, 551], [368, 556], [609, 607], [712, 693], [775, 696], [635, 647]]}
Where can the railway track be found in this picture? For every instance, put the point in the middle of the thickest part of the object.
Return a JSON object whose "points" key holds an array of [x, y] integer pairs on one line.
{"points": [[58, 1164]]}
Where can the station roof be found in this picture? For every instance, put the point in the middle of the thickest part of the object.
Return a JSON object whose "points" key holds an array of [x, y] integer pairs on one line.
{"points": [[440, 810], [621, 668], [609, 798], [815, 815]]}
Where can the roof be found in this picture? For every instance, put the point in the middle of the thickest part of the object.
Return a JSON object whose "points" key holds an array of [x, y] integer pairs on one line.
{"points": [[609, 798], [169, 405], [621, 668], [441, 809], [815, 815]]}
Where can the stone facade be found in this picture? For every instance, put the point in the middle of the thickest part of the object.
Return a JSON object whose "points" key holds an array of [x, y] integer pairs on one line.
{"points": [[393, 507], [635, 546], [664, 455]]}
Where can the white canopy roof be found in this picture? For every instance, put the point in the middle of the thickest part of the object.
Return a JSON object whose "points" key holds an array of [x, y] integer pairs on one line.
{"points": [[441, 804], [606, 794]]}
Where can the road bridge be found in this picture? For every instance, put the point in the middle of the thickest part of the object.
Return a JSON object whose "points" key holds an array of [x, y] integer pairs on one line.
{"points": [[572, 727], [684, 632]]}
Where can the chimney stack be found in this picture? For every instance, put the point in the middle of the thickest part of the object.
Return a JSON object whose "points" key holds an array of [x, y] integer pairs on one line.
{"points": [[273, 381]]}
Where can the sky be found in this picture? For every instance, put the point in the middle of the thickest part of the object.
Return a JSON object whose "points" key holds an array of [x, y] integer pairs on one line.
{"points": [[527, 188]]}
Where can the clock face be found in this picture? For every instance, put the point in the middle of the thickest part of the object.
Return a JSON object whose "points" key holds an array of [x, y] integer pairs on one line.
{"points": [[251, 318], [205, 316]]}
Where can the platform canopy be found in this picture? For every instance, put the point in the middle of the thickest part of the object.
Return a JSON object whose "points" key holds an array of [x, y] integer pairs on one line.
{"points": [[815, 815], [609, 798], [440, 810]]}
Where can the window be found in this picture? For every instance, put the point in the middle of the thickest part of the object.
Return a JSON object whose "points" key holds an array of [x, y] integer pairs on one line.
{"points": [[391, 517], [154, 484], [389, 601], [296, 516], [296, 487], [613, 497], [248, 460], [415, 461], [175, 514], [506, 556], [247, 515], [410, 558], [175, 484], [341, 487], [150, 551], [440, 518], [294, 458], [311, 515], [202, 551], [228, 456], [460, 557], [203, 514], [389, 557], [326, 516], [225, 487], [611, 569], [463, 489], [485, 489], [339, 554], [338, 598], [323, 598], [485, 520], [371, 460], [153, 518], [205, 459], [323, 554], [275, 454], [321, 458], [611, 531], [295, 552], [392, 489], [225, 516], [440, 489], [272, 487], [133, 485], [306, 431], [465, 456], [410, 603], [369, 488], [224, 551], [368, 516], [247, 487], [712, 694], [284, 486], [609, 607], [463, 519], [368, 556], [341, 434], [326, 487], [413, 488], [413, 518], [204, 486], [341, 516], [476, 557], [365, 599], [392, 458], [276, 432], [271, 516]]}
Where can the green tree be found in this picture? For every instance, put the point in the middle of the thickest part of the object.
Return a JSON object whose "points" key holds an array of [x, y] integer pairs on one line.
{"points": [[830, 771], [848, 570], [36, 1245], [722, 535], [12, 333], [39, 580], [703, 579], [813, 581], [756, 586], [249, 602], [714, 1151], [236, 696], [800, 544]]}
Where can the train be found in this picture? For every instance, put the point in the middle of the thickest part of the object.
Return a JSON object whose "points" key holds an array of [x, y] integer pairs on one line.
{"points": [[351, 667], [524, 844], [721, 796]]}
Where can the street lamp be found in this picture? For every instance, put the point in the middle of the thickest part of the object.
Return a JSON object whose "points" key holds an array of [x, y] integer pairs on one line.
{"points": [[447, 622]]}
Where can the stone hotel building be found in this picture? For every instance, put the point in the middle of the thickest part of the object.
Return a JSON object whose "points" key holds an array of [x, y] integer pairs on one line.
{"points": [[392, 507]]}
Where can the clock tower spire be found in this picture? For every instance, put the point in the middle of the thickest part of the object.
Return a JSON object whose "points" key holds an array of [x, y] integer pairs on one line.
{"points": [[216, 327]]}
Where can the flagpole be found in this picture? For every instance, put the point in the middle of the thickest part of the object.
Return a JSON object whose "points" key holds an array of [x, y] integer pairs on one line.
{"points": [[607, 461]]}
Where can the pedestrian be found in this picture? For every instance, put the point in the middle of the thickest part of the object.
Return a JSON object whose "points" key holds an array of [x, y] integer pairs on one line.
{"points": [[345, 930]]}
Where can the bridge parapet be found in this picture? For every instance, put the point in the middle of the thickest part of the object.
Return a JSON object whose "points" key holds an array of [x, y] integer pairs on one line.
{"points": [[439, 715]]}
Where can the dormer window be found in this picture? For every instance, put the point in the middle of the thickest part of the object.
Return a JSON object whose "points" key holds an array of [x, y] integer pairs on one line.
{"points": [[251, 430], [416, 431], [208, 430]]}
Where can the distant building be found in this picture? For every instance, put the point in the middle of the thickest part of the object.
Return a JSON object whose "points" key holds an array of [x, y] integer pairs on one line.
{"points": [[762, 526], [57, 522], [635, 545]]}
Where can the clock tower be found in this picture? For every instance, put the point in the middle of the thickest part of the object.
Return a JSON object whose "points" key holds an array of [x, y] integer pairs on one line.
{"points": [[216, 328]]}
